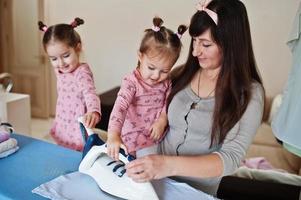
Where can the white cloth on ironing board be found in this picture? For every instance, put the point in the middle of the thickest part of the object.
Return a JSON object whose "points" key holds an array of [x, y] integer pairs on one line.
{"points": [[9, 152], [4, 136], [79, 186], [8, 144]]}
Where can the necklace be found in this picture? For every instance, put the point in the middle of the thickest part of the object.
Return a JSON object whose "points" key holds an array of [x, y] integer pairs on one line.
{"points": [[194, 104]]}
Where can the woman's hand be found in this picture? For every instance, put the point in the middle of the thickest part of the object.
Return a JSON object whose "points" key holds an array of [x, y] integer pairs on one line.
{"points": [[91, 119], [149, 167]]}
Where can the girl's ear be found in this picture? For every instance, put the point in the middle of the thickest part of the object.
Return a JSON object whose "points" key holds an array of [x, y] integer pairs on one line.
{"points": [[78, 47], [140, 55]]}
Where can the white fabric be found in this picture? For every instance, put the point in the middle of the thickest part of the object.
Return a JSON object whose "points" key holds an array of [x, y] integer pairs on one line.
{"points": [[79, 186], [8, 144], [268, 175], [275, 107]]}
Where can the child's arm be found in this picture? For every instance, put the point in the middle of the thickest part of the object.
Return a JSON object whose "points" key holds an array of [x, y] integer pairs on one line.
{"points": [[85, 81], [114, 143], [158, 127], [91, 119], [123, 101]]}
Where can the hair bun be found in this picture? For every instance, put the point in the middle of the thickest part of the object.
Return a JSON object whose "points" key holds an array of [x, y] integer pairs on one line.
{"points": [[157, 21], [181, 29], [77, 22], [42, 26]]}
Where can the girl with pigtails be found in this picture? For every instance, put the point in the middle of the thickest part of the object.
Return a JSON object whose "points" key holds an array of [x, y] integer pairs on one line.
{"points": [[75, 85], [138, 119]]}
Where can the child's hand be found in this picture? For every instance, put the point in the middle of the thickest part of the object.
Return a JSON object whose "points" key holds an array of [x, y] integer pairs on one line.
{"points": [[158, 127], [91, 119], [114, 143], [156, 130]]}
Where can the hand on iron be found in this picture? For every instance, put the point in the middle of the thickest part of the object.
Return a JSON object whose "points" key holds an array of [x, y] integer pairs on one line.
{"points": [[91, 119], [148, 167], [114, 144]]}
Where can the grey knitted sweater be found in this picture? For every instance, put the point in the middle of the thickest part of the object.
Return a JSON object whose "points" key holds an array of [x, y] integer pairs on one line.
{"points": [[190, 131]]}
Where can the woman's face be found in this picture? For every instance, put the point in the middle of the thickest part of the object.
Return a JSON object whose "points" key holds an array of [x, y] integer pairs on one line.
{"points": [[207, 51]]}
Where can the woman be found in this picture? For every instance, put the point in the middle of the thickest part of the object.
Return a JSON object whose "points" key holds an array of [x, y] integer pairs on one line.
{"points": [[216, 103]]}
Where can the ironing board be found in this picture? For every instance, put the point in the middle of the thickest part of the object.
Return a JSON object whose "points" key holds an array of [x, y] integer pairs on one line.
{"points": [[35, 163], [38, 162]]}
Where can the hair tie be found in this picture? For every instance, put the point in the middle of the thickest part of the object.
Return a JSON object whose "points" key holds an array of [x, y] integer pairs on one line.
{"points": [[179, 35], [45, 28], [42, 26], [156, 28], [73, 24], [202, 6]]}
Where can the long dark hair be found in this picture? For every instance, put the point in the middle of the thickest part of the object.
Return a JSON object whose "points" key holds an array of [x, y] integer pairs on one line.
{"points": [[238, 71]]}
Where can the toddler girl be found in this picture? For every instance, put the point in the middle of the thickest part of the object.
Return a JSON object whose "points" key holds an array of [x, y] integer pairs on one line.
{"points": [[75, 86], [138, 118]]}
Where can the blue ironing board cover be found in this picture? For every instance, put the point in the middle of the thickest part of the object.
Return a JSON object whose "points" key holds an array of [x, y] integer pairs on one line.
{"points": [[36, 162]]}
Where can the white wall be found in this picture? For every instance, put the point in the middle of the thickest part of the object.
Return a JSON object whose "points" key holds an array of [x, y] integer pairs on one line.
{"points": [[271, 22], [113, 30]]}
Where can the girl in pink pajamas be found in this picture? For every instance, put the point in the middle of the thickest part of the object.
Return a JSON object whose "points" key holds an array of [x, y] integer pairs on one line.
{"points": [[75, 86], [138, 119]]}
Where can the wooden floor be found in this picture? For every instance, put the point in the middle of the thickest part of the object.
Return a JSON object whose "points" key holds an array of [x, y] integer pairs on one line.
{"points": [[40, 128]]}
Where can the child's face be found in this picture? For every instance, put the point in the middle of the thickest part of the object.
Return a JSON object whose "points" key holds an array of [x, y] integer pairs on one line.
{"points": [[63, 57], [154, 69]]}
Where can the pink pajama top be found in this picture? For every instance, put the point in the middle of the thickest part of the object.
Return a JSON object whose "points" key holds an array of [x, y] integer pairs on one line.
{"points": [[76, 96], [136, 108]]}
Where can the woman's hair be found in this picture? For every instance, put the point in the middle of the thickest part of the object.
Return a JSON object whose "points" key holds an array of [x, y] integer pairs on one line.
{"points": [[238, 70], [161, 41], [61, 32]]}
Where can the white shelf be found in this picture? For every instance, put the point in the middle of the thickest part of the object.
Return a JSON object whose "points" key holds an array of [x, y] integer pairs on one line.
{"points": [[15, 109]]}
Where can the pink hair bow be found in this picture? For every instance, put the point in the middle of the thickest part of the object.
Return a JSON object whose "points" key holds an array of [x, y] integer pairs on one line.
{"points": [[202, 6]]}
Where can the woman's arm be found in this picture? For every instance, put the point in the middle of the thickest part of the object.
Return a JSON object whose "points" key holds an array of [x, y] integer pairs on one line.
{"points": [[160, 166], [240, 137]]}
